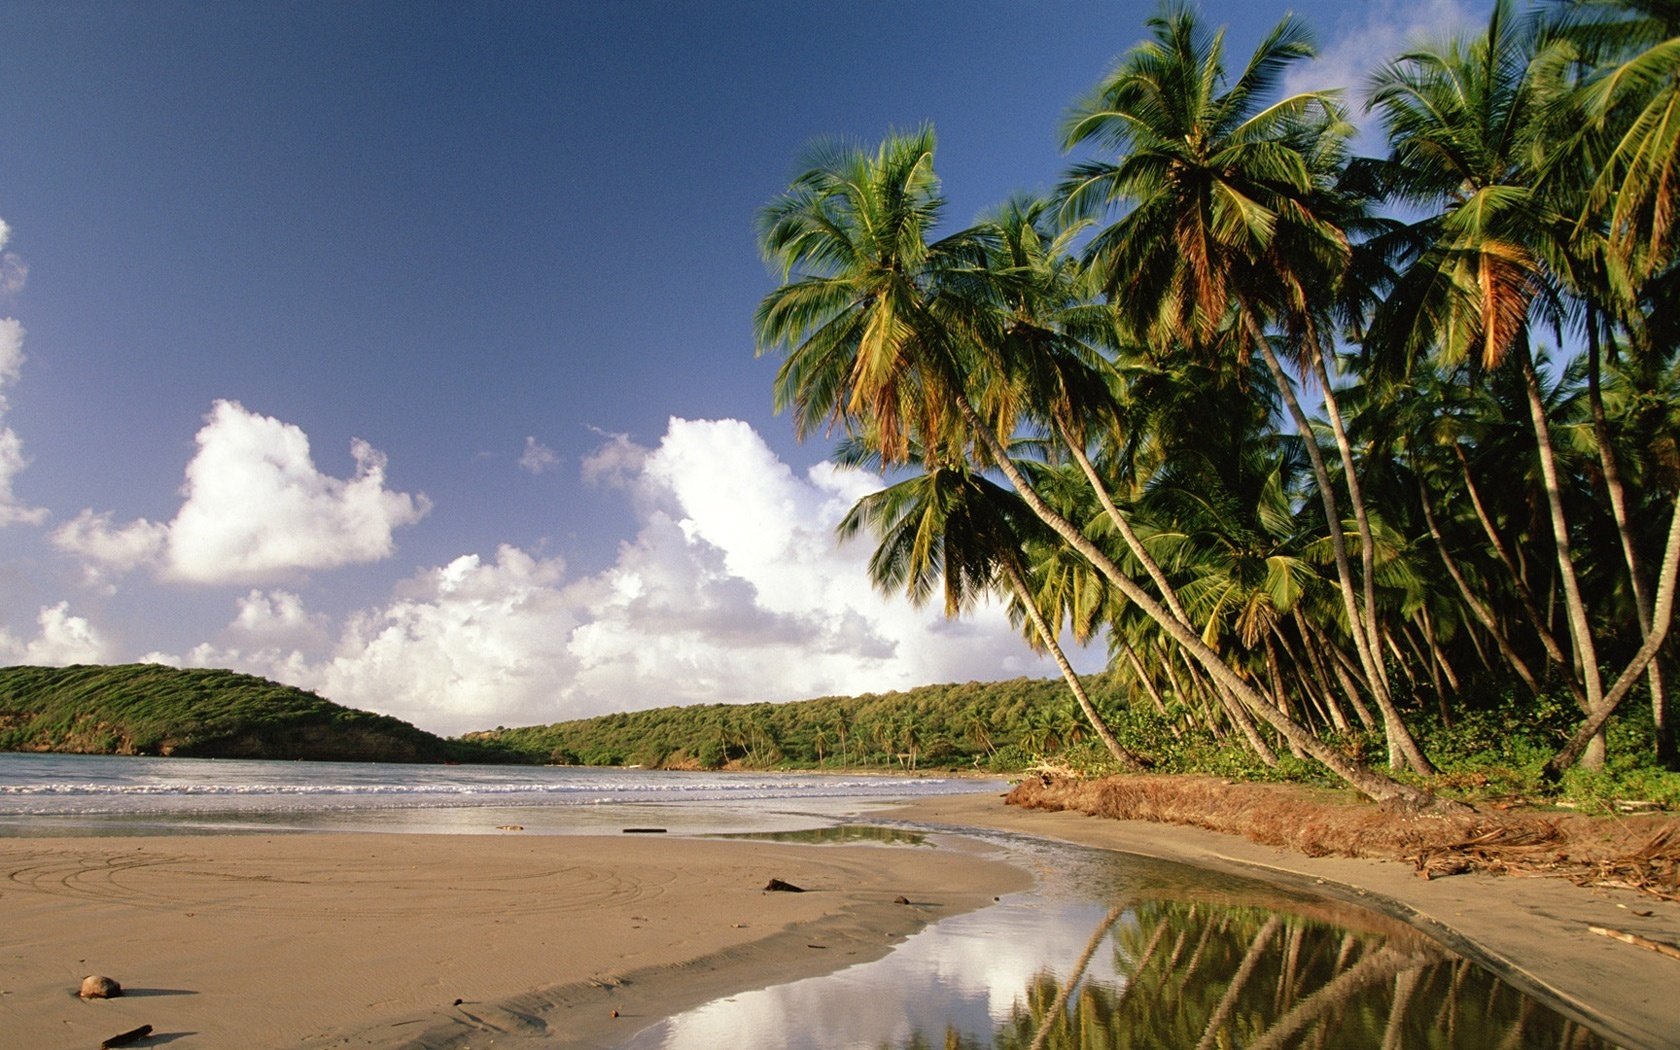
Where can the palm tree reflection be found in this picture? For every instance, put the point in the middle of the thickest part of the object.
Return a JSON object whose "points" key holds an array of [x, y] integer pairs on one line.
{"points": [[1216, 976]]}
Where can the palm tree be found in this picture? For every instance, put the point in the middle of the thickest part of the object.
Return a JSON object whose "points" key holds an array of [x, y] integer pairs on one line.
{"points": [[1226, 234], [878, 340], [1466, 125], [951, 529]]}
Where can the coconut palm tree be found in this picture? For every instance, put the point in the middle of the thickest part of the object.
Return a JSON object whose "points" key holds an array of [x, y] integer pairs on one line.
{"points": [[879, 340], [1467, 124], [1226, 235], [952, 530]]}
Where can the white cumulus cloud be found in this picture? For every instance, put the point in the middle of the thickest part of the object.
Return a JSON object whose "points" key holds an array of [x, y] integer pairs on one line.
{"points": [[255, 509], [732, 589], [12, 460], [62, 639]]}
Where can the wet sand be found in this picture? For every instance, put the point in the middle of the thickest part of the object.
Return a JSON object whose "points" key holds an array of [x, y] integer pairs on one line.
{"points": [[433, 940], [1533, 932]]}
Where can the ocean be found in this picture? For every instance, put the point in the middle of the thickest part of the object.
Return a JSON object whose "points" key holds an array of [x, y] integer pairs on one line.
{"points": [[115, 794]]}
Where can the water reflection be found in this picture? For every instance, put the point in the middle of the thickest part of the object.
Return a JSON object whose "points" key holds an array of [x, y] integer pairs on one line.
{"points": [[1121, 953], [837, 835]]}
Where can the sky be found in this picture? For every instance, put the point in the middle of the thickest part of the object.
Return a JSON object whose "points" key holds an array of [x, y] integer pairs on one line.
{"points": [[403, 351]]}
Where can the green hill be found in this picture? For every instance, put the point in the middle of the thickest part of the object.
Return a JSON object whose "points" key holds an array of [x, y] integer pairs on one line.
{"points": [[974, 725], [148, 709]]}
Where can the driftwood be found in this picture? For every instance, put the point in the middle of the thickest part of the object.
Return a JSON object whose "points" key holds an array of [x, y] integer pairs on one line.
{"points": [[133, 1035], [778, 886], [1660, 947], [644, 831]]}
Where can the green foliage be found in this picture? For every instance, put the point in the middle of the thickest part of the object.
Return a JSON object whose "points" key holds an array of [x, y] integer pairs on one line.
{"points": [[148, 709], [997, 727]]}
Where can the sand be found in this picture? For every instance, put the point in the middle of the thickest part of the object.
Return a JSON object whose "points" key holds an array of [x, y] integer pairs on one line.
{"points": [[326, 940], [1534, 932], [370, 939]]}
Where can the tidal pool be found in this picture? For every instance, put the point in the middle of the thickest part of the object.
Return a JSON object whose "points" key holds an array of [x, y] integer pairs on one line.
{"points": [[1115, 951]]}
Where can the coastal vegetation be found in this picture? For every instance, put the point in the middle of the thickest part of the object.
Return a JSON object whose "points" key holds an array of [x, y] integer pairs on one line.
{"points": [[1327, 449], [148, 709]]}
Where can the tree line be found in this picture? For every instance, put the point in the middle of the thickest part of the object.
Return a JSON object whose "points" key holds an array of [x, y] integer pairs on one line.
{"points": [[1319, 444]]}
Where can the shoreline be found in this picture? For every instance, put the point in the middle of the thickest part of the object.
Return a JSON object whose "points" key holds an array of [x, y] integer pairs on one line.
{"points": [[1531, 931], [361, 939], [377, 939]]}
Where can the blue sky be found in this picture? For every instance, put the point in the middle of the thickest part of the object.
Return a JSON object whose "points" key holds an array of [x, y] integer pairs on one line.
{"points": [[404, 352]]}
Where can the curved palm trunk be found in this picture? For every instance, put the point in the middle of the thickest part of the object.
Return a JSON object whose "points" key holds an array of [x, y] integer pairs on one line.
{"points": [[1666, 751], [1356, 501], [1133, 543], [1402, 748], [1575, 609], [1367, 781], [1018, 580], [1662, 615]]}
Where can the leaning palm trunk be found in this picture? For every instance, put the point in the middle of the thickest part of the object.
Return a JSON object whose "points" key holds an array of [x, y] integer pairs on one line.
{"points": [[1402, 748], [1124, 527], [1365, 780], [1662, 615], [1575, 609], [1624, 530], [1478, 608], [1130, 762], [1245, 970]]}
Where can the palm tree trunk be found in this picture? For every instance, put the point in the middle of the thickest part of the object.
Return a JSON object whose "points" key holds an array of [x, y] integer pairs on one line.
{"points": [[1367, 781], [1063, 994], [1337, 661], [1477, 607], [1580, 631], [1338, 717], [1402, 748], [1356, 500], [1133, 544], [1017, 579], [1666, 751], [1662, 615], [1519, 579], [1245, 970]]}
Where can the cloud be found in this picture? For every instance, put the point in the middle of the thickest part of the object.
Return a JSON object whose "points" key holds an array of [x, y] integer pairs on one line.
{"points": [[108, 551], [13, 270], [63, 639], [537, 458], [256, 509], [1368, 35], [12, 460], [616, 464], [732, 589]]}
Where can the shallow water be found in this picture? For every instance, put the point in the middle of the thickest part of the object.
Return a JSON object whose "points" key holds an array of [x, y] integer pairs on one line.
{"points": [[110, 794], [1114, 951]]}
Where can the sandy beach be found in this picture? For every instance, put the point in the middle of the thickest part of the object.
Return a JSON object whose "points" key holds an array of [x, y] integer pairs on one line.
{"points": [[319, 940], [428, 940]]}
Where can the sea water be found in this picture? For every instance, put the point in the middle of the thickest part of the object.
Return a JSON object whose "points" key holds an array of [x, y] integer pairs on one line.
{"points": [[112, 794]]}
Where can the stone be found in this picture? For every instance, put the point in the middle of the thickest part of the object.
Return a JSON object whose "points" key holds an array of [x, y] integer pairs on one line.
{"points": [[97, 987]]}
